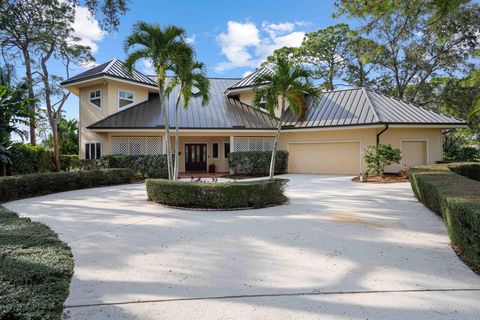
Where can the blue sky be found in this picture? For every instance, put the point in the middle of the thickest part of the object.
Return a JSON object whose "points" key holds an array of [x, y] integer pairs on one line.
{"points": [[230, 37]]}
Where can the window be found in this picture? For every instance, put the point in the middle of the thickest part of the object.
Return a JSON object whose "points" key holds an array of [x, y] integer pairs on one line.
{"points": [[215, 150], [226, 150], [93, 150], [124, 98], [263, 102], [96, 97]]}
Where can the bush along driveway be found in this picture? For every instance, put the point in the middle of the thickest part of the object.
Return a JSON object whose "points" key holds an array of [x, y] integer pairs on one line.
{"points": [[453, 191], [338, 250], [35, 266]]}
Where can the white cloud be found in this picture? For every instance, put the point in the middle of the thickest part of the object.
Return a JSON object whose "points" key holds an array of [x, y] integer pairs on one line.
{"points": [[147, 67], [87, 28], [245, 45], [191, 39], [247, 73]]}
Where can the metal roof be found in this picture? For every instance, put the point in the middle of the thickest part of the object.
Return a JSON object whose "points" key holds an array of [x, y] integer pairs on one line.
{"points": [[220, 113], [249, 80], [362, 106], [113, 68]]}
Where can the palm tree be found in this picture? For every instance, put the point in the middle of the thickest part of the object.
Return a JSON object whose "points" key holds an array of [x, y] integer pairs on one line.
{"points": [[190, 78], [162, 46], [288, 84]]}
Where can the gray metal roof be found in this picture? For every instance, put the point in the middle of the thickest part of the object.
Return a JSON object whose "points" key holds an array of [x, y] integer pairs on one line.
{"points": [[114, 68], [220, 113], [365, 107], [249, 80]]}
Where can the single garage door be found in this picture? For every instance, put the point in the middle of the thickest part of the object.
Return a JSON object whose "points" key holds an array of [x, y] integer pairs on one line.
{"points": [[325, 157], [414, 153]]}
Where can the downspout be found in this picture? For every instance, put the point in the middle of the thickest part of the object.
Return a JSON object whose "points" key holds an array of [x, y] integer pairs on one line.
{"points": [[378, 134]]}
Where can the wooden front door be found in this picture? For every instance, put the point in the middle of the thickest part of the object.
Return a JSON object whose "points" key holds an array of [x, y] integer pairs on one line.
{"points": [[196, 157]]}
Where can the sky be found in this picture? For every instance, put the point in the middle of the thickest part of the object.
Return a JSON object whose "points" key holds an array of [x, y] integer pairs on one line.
{"points": [[231, 37]]}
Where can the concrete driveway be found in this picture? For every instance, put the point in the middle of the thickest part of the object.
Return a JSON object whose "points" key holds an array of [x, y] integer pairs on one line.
{"points": [[338, 250]]}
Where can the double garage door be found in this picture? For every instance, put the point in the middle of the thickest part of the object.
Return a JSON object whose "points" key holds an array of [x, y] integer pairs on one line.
{"points": [[325, 157]]}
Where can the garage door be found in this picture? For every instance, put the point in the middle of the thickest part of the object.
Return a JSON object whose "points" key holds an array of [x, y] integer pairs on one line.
{"points": [[414, 153], [325, 157]]}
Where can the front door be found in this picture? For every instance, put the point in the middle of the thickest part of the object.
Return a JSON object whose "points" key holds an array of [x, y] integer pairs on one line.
{"points": [[196, 157]]}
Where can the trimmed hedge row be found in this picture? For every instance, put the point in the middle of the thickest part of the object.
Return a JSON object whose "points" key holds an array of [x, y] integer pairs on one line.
{"points": [[257, 163], [470, 170], [457, 199], [35, 269], [35, 184], [214, 195], [152, 166]]}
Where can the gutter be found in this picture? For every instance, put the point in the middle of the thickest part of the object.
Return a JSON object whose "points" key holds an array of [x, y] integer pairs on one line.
{"points": [[378, 134]]}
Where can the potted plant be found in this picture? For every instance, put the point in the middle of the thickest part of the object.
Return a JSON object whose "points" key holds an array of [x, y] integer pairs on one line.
{"points": [[211, 168]]}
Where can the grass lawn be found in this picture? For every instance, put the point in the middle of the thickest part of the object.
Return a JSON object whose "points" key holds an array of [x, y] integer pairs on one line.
{"points": [[35, 269]]}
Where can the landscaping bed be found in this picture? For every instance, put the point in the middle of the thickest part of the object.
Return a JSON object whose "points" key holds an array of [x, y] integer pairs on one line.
{"points": [[36, 184], [457, 199], [211, 195], [35, 269], [387, 178]]}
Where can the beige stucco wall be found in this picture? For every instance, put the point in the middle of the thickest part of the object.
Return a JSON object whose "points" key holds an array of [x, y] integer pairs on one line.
{"points": [[366, 137], [90, 113], [433, 137]]}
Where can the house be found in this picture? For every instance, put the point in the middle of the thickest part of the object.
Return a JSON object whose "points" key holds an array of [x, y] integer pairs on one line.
{"points": [[120, 114]]}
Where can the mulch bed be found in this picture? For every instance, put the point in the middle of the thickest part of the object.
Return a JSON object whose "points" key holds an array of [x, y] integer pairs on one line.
{"points": [[387, 178]]}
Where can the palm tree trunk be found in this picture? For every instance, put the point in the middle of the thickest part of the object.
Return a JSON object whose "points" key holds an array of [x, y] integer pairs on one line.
{"points": [[164, 106], [177, 139], [275, 143]]}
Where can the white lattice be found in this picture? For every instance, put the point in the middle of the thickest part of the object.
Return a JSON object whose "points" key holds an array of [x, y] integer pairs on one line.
{"points": [[253, 143], [137, 145], [120, 145]]}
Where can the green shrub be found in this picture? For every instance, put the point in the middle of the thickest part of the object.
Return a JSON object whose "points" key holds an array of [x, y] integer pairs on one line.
{"points": [[141, 163], [380, 156], [35, 184], [157, 173], [462, 154], [471, 170], [26, 158], [457, 199], [257, 163], [69, 162], [35, 269], [216, 195]]}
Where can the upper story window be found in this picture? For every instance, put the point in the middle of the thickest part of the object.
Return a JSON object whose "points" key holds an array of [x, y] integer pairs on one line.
{"points": [[263, 102], [125, 98], [96, 97]]}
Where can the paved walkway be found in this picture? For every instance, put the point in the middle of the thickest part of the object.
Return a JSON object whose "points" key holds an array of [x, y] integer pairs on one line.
{"points": [[339, 250]]}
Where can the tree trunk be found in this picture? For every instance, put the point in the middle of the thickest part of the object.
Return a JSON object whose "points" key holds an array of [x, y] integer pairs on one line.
{"points": [[164, 106], [31, 95], [275, 142], [177, 139]]}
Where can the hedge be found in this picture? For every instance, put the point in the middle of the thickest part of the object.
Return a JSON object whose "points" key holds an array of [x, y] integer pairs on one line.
{"points": [[457, 199], [35, 184], [35, 269], [217, 195], [154, 166], [29, 159], [257, 163]]}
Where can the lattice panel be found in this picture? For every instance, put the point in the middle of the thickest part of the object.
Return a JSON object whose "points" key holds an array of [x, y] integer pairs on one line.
{"points": [[253, 143], [154, 145], [120, 145], [240, 144], [137, 145]]}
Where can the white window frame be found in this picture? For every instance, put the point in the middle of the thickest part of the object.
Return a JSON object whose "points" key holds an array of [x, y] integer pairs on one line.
{"points": [[218, 151], [90, 98], [95, 143], [118, 99], [223, 151]]}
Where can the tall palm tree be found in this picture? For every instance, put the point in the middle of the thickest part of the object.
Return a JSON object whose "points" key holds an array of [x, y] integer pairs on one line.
{"points": [[288, 85], [190, 79], [162, 46]]}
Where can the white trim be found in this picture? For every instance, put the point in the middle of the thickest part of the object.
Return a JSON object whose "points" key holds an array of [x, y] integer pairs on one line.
{"points": [[333, 128], [414, 140], [219, 131], [428, 126], [223, 153], [330, 141], [127, 105], [151, 86], [90, 98], [218, 150]]}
